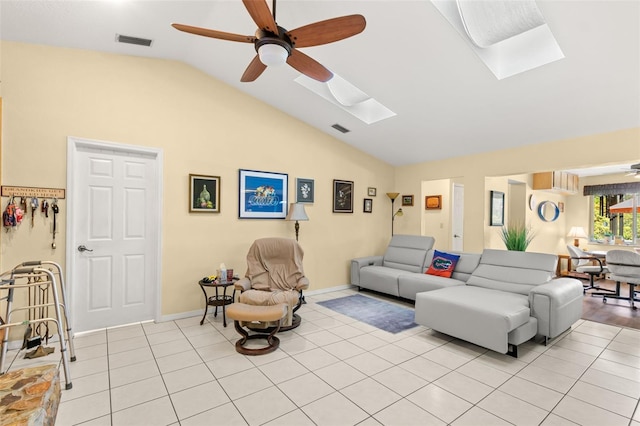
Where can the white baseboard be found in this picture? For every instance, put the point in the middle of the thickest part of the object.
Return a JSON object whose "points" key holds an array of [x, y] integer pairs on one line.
{"points": [[329, 289], [181, 315]]}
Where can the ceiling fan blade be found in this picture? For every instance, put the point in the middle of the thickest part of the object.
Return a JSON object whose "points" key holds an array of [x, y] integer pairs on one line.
{"points": [[261, 15], [308, 66], [253, 71], [328, 31], [213, 33]]}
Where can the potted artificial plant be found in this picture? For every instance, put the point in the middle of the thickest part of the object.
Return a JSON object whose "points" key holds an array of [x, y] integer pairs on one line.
{"points": [[516, 237]]}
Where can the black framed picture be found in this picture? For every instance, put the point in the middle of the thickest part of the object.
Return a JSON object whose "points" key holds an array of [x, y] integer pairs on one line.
{"points": [[371, 191], [342, 196], [496, 210], [367, 205], [204, 193], [305, 189]]}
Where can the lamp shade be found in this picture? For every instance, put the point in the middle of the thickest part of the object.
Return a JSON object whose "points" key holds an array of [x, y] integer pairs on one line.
{"points": [[393, 195], [577, 232], [296, 212], [272, 54]]}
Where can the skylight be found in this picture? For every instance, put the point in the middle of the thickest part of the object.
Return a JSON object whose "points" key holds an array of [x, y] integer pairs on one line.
{"points": [[510, 36], [340, 92]]}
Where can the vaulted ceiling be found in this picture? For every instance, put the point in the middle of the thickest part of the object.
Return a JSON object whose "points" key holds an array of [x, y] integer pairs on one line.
{"points": [[409, 58]]}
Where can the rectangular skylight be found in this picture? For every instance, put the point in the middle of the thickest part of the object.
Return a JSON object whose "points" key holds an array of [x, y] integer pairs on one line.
{"points": [[340, 92], [514, 55]]}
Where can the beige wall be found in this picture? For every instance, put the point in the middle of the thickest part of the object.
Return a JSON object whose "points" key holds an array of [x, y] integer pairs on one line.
{"points": [[207, 127], [203, 126], [621, 146]]}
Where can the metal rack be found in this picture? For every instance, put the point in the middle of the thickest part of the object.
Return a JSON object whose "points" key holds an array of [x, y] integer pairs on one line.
{"points": [[40, 283]]}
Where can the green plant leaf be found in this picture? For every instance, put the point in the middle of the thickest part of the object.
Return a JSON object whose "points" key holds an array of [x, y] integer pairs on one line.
{"points": [[516, 237]]}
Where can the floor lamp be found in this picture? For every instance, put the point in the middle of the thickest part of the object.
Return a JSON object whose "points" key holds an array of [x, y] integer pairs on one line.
{"points": [[296, 212], [392, 196]]}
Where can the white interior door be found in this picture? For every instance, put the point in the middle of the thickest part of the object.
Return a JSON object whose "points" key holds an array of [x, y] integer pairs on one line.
{"points": [[457, 218], [114, 222]]}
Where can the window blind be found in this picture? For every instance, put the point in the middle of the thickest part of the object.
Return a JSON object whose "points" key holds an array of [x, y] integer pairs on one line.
{"points": [[612, 188]]}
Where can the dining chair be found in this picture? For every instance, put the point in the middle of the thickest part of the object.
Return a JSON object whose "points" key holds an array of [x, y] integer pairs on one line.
{"points": [[586, 263], [625, 267]]}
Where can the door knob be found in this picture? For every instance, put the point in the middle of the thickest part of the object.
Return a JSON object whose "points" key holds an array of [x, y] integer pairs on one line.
{"points": [[456, 236], [82, 248]]}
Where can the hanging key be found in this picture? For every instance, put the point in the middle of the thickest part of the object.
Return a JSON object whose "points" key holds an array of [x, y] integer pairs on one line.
{"points": [[55, 210], [45, 208], [34, 206]]}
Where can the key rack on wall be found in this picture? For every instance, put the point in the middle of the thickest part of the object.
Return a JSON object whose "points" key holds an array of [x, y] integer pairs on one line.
{"points": [[32, 191]]}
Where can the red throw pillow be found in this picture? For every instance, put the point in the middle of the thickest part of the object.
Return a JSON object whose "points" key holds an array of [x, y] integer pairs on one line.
{"points": [[442, 264]]}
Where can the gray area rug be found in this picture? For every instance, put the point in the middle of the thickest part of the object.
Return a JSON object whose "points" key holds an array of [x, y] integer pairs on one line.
{"points": [[383, 315]]}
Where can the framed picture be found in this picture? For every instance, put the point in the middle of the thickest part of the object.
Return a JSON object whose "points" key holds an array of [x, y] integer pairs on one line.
{"points": [[204, 193], [496, 210], [263, 195], [304, 190], [371, 192], [407, 200], [368, 205], [342, 196], [432, 202]]}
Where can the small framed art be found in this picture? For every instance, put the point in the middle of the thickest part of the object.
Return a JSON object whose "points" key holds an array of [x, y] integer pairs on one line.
{"points": [[204, 193], [263, 195], [433, 202], [371, 192], [407, 200], [305, 190], [496, 209], [342, 196], [368, 205]]}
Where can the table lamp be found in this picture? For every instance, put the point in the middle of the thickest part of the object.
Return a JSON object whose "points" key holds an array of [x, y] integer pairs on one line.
{"points": [[576, 233], [296, 212]]}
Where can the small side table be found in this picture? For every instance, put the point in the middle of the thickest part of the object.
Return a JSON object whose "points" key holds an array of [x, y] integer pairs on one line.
{"points": [[218, 299]]}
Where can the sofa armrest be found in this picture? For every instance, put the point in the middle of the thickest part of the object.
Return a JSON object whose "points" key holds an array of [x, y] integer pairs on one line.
{"points": [[303, 284], [557, 305], [242, 284], [361, 262]]}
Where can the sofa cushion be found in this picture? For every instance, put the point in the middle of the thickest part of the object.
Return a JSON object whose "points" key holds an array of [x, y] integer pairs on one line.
{"points": [[411, 284], [513, 271], [442, 264], [382, 279], [478, 315], [407, 252]]}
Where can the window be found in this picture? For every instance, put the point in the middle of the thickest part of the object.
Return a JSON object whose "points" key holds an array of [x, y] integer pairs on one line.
{"points": [[614, 209]]}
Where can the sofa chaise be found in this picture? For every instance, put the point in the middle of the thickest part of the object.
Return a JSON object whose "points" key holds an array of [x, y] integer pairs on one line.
{"points": [[497, 300]]}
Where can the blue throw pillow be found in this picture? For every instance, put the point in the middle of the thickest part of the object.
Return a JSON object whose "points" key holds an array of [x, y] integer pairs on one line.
{"points": [[443, 264]]}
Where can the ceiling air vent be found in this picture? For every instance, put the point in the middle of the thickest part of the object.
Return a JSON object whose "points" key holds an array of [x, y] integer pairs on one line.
{"points": [[133, 40], [340, 128]]}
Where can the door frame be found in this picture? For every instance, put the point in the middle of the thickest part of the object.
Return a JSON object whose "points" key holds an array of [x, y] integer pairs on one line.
{"points": [[456, 209], [73, 146]]}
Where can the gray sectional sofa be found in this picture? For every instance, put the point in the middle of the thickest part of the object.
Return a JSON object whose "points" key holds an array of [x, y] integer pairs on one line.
{"points": [[497, 300]]}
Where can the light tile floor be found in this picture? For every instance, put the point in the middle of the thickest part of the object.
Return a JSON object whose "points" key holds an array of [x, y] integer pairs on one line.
{"points": [[333, 370]]}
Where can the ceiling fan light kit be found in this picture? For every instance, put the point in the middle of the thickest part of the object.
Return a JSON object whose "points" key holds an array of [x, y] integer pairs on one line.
{"points": [[273, 55]]}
